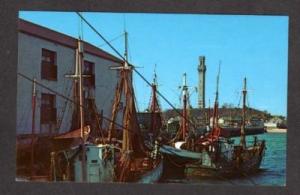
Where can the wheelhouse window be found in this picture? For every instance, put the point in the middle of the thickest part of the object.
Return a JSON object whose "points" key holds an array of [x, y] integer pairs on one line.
{"points": [[49, 68], [89, 69]]}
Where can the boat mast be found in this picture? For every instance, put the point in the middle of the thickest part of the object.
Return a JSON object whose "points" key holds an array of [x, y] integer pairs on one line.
{"points": [[127, 144], [33, 126], [184, 110], [79, 79], [119, 89], [215, 127], [216, 105], [208, 121], [154, 104], [126, 49], [81, 102], [78, 76], [243, 138]]}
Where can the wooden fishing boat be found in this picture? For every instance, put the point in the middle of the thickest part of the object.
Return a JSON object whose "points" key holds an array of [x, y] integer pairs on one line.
{"points": [[254, 126], [77, 155], [217, 155], [230, 131], [176, 154], [220, 156], [136, 162]]}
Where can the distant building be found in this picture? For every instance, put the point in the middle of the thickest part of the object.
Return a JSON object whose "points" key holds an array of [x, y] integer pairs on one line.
{"points": [[270, 125], [201, 85], [48, 56], [229, 116], [276, 122]]}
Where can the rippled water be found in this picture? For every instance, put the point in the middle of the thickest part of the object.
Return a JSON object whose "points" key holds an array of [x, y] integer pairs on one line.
{"points": [[273, 167]]}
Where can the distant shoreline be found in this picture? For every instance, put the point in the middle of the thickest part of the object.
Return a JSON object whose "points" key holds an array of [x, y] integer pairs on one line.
{"points": [[276, 130]]}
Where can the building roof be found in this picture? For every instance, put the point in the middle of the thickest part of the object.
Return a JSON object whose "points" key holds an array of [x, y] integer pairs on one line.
{"points": [[62, 39]]}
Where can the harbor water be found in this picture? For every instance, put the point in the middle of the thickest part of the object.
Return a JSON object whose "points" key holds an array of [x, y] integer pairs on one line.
{"points": [[272, 170]]}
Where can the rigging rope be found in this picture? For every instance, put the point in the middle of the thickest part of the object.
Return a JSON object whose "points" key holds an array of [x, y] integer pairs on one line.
{"points": [[68, 89], [25, 115], [112, 40], [72, 101], [95, 109], [134, 69]]}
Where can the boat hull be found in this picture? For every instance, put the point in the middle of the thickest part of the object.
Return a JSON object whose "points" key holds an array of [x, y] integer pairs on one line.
{"points": [[236, 131], [175, 161], [247, 163], [154, 175]]}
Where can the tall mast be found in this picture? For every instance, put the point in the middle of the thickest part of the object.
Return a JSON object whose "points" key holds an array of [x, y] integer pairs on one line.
{"points": [[154, 76], [243, 138], [79, 79], [215, 112], [208, 114], [132, 141], [79, 66], [119, 89], [153, 104], [184, 110], [33, 126], [127, 142], [126, 49], [154, 107]]}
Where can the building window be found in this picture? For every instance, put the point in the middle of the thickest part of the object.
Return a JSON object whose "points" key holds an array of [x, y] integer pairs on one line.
{"points": [[89, 69], [49, 68], [90, 105], [48, 109]]}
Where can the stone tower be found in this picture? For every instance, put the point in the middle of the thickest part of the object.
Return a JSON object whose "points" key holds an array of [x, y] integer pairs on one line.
{"points": [[201, 86]]}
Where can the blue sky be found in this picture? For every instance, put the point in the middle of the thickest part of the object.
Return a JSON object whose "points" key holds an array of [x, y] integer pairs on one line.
{"points": [[249, 46]]}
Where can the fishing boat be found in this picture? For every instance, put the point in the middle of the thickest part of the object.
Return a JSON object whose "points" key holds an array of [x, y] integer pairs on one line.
{"points": [[232, 126], [214, 154], [75, 155], [177, 152], [136, 163], [232, 131], [221, 156], [155, 111], [78, 156], [151, 120]]}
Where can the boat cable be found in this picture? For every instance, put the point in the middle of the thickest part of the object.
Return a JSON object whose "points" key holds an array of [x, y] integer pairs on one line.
{"points": [[84, 107], [125, 61], [100, 132], [112, 40], [24, 116], [239, 104], [247, 98], [134, 69], [68, 89], [64, 97], [74, 102]]}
